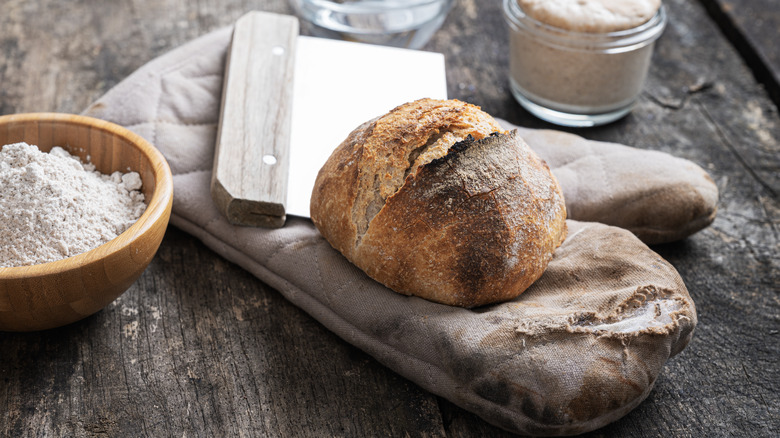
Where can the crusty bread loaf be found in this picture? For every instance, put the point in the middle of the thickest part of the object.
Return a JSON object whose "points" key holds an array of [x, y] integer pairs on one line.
{"points": [[435, 200]]}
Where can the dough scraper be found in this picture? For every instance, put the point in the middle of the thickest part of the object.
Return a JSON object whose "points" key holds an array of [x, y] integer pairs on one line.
{"points": [[288, 101]]}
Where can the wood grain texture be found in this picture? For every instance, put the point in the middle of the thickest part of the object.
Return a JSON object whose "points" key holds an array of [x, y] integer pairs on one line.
{"points": [[198, 347], [252, 156], [753, 26], [60, 292]]}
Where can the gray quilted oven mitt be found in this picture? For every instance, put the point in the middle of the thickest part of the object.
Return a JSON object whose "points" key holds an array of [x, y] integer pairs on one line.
{"points": [[578, 350]]}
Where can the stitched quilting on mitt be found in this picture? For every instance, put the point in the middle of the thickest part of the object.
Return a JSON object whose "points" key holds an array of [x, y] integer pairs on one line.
{"points": [[579, 349]]}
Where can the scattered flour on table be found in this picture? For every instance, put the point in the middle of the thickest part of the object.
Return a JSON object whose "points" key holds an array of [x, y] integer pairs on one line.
{"points": [[53, 206]]}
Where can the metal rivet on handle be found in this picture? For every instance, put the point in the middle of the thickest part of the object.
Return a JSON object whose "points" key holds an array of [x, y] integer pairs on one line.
{"points": [[269, 160]]}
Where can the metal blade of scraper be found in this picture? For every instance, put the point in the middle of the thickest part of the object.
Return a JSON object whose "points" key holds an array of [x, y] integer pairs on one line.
{"points": [[337, 85], [251, 159], [340, 85]]}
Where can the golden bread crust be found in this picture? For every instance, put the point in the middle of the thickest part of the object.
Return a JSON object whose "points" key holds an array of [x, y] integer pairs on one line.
{"points": [[435, 200]]}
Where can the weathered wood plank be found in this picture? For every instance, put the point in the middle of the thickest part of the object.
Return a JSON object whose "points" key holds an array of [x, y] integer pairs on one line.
{"points": [[199, 347], [753, 26]]}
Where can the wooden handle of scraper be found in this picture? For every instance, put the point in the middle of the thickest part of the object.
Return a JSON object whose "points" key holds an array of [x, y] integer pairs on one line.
{"points": [[251, 161]]}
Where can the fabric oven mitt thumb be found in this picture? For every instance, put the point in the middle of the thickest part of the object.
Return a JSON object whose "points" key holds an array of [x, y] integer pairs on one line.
{"points": [[658, 197], [577, 350]]}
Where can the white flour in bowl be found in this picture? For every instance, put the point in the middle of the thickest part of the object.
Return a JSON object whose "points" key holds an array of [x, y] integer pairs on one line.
{"points": [[53, 206]]}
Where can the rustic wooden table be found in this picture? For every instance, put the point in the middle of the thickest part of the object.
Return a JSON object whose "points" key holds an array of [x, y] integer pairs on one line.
{"points": [[198, 347]]}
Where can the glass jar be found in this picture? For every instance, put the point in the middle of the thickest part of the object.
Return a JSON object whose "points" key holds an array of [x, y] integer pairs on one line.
{"points": [[578, 78], [398, 23]]}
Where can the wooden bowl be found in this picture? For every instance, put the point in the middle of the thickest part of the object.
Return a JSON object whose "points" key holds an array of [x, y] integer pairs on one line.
{"points": [[53, 294]]}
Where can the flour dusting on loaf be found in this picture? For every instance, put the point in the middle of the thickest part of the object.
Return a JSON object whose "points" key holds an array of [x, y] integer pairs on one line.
{"points": [[436, 200]]}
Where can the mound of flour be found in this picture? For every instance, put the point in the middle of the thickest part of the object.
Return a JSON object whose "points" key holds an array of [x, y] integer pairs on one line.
{"points": [[53, 206]]}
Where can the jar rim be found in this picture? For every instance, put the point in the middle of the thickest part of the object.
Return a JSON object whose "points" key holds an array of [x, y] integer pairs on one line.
{"points": [[356, 8], [615, 41]]}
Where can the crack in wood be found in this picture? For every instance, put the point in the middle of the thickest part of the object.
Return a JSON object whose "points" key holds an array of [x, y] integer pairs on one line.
{"points": [[749, 53], [730, 145], [701, 85]]}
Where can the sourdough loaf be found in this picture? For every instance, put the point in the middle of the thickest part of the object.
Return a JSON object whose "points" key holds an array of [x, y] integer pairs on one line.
{"points": [[435, 200]]}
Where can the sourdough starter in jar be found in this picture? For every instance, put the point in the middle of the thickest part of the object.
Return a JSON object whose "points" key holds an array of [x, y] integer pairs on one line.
{"points": [[581, 62]]}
